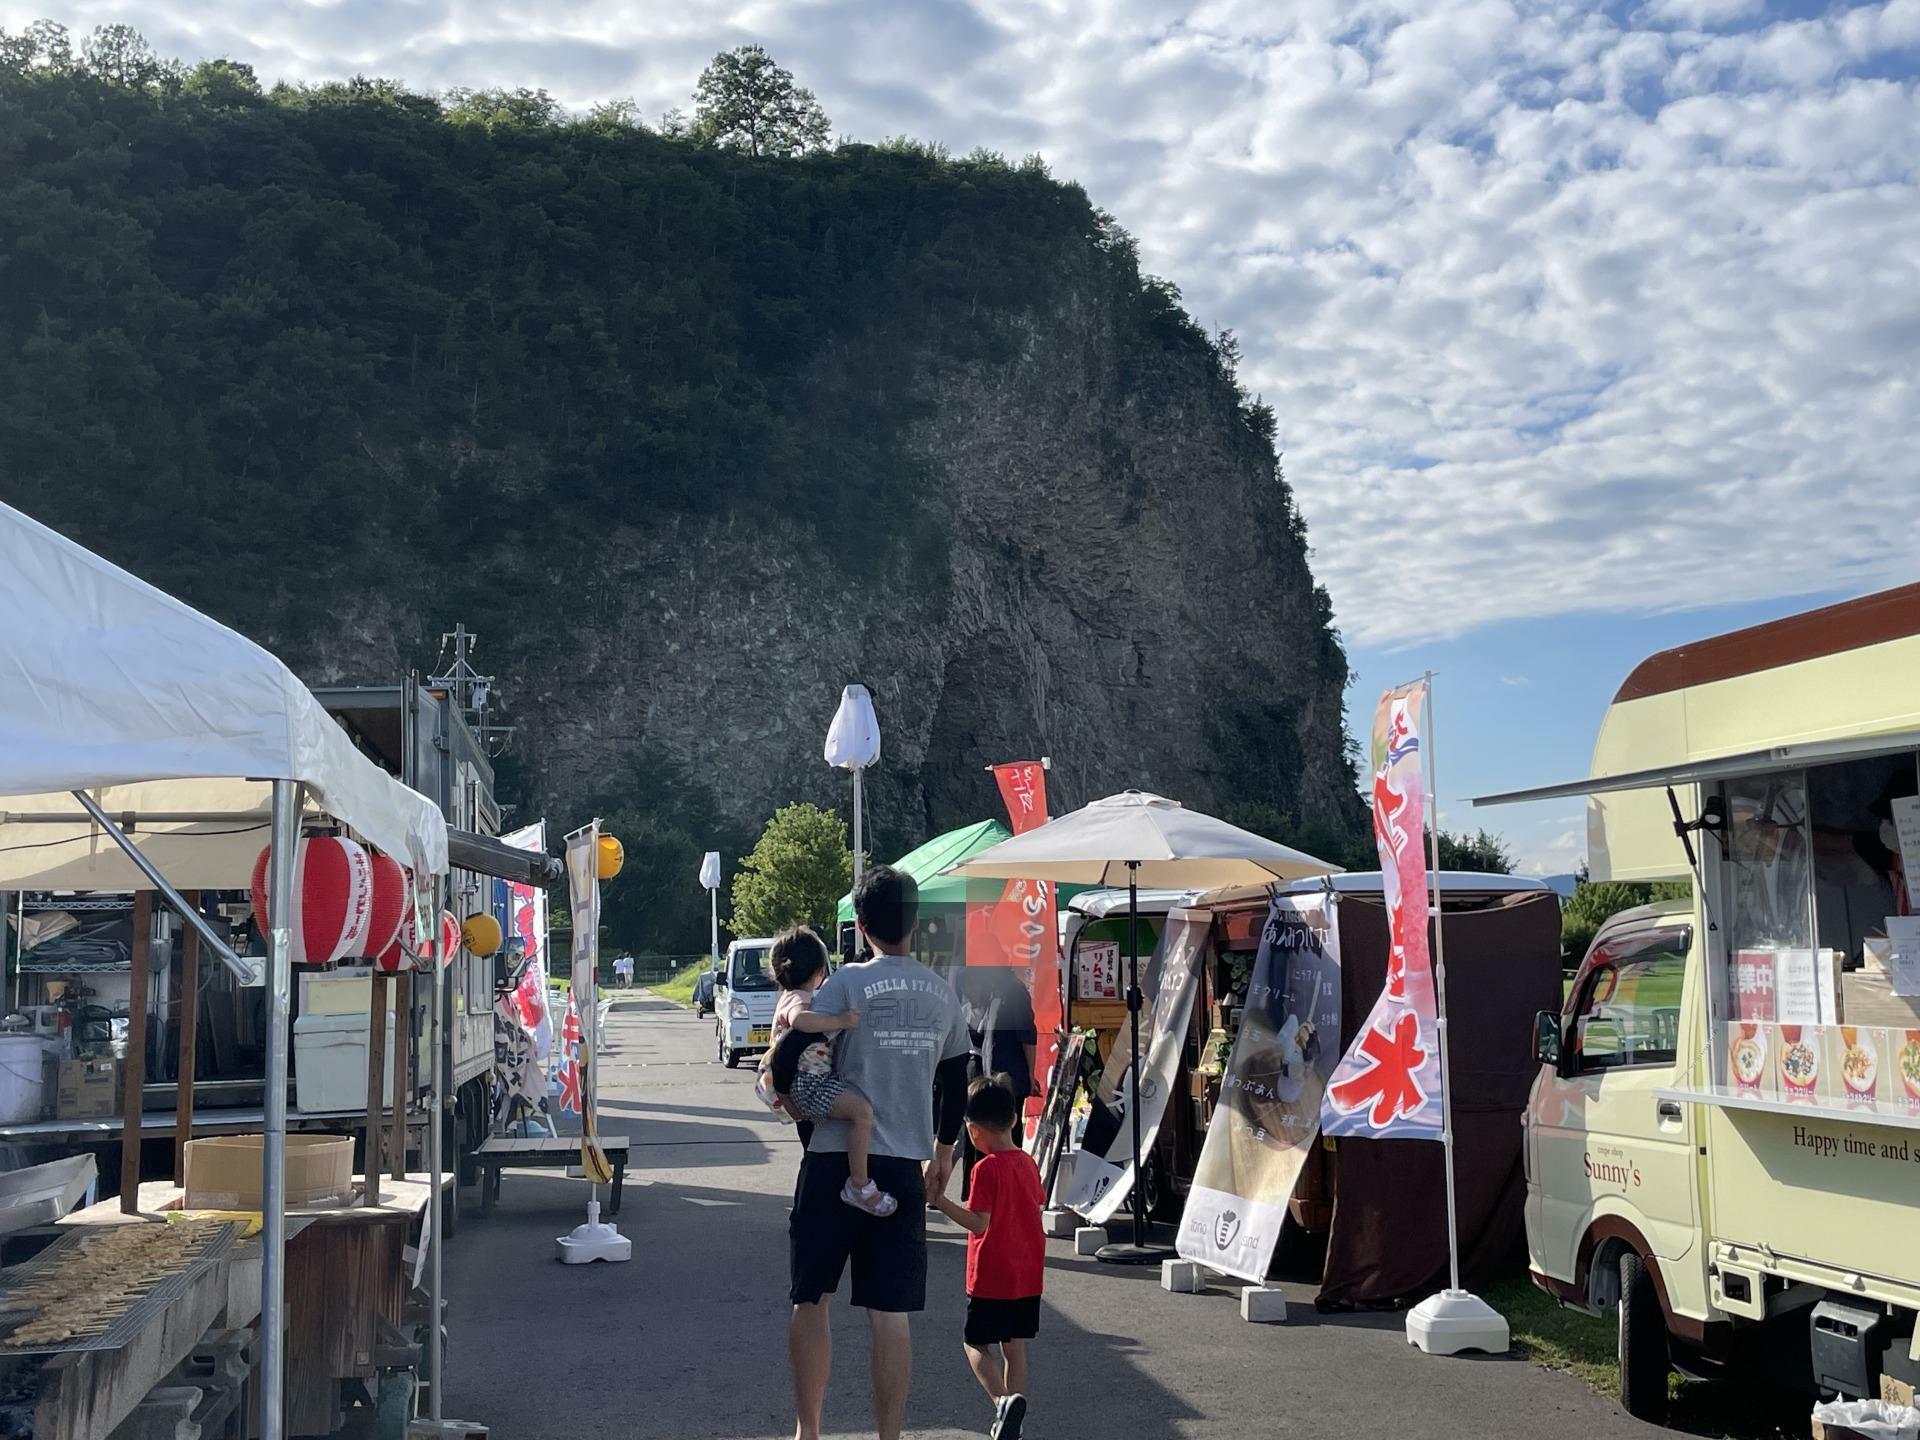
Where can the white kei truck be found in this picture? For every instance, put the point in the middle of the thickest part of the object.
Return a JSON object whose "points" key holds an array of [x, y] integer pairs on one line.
{"points": [[1723, 1142]]}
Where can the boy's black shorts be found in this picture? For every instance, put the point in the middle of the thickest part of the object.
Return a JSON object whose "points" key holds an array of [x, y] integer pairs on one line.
{"points": [[824, 1232], [993, 1322]]}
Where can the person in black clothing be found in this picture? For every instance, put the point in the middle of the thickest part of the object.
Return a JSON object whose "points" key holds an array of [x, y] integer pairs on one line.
{"points": [[998, 1007]]}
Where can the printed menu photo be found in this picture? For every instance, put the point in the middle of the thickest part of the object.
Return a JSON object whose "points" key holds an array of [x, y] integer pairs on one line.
{"points": [[1749, 1058]]}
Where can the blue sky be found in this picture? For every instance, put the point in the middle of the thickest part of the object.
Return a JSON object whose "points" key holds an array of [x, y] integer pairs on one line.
{"points": [[1589, 328], [1518, 704]]}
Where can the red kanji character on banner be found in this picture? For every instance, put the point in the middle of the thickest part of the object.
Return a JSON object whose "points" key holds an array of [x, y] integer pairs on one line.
{"points": [[1390, 1080], [570, 1097]]}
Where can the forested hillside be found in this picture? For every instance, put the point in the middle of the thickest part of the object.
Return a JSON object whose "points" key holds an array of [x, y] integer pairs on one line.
{"points": [[690, 437]]}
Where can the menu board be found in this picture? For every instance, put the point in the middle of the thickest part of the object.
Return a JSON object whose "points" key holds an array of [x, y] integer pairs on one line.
{"points": [[1097, 971], [1903, 937], [1803, 987]]}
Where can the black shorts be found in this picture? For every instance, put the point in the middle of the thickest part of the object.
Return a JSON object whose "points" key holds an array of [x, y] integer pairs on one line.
{"points": [[993, 1322], [824, 1232]]}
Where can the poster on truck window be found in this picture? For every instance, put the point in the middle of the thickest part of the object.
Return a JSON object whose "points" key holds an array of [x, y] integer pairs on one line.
{"points": [[523, 1028], [1268, 1118], [1389, 1082], [1103, 1180]]}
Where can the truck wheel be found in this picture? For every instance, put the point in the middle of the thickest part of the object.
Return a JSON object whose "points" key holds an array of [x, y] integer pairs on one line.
{"points": [[1645, 1361], [731, 1058]]}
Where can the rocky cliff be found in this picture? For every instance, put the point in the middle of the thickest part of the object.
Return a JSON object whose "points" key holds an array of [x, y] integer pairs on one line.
{"points": [[691, 440]]}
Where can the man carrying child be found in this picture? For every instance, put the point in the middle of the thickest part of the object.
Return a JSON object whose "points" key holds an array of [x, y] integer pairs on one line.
{"points": [[902, 1047]]}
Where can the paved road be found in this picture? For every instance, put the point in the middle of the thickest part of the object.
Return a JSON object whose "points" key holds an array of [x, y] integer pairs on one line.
{"points": [[688, 1340]]}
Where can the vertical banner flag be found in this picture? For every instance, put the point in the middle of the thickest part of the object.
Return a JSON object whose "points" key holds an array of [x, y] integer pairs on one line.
{"points": [[1262, 1134], [1101, 1183], [1389, 1082], [1021, 929], [523, 1016], [583, 1009]]}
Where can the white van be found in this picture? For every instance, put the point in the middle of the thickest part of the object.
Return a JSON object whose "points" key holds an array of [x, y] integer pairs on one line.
{"points": [[1723, 1142], [744, 997]]}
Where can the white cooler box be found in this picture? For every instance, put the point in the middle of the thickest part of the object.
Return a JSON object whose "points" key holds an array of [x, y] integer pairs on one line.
{"points": [[330, 1062]]}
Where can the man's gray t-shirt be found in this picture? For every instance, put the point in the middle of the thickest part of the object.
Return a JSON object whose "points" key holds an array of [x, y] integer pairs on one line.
{"points": [[909, 1022]]}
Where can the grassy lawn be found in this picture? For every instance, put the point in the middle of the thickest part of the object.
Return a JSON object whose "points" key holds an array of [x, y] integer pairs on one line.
{"points": [[1558, 1339], [680, 988]]}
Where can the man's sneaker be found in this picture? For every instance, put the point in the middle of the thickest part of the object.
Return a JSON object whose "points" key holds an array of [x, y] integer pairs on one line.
{"points": [[1009, 1414], [873, 1199]]}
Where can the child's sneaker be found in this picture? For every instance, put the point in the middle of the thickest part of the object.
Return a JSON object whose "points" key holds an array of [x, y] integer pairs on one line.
{"points": [[873, 1199], [1009, 1414]]}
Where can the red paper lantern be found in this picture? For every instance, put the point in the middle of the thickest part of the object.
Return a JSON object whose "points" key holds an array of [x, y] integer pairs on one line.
{"points": [[332, 898], [392, 902], [409, 941], [449, 937]]}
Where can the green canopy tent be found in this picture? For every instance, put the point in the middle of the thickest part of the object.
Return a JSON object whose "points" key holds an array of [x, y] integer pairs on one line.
{"points": [[925, 864]]}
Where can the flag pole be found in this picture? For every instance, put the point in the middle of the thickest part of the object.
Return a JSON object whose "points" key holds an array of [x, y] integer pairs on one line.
{"points": [[1454, 1320], [1440, 992]]}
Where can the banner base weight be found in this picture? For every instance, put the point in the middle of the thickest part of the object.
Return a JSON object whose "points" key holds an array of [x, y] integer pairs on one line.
{"points": [[1455, 1321], [1133, 1254]]}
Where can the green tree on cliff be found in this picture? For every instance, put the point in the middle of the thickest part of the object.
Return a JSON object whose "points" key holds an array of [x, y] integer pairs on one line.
{"points": [[747, 102], [794, 875]]}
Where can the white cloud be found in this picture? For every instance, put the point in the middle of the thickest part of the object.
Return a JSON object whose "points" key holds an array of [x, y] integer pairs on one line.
{"points": [[1558, 311], [1559, 852], [1517, 682]]}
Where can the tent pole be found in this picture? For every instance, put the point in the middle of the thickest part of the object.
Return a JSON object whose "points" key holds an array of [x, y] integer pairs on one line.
{"points": [[858, 830], [175, 900], [435, 1359], [1133, 1035], [273, 1180], [1440, 996]]}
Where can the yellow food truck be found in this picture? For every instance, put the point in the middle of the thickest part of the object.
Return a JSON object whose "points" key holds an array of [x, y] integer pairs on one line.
{"points": [[1723, 1142]]}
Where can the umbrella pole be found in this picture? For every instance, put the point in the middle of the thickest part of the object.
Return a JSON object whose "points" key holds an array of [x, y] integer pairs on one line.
{"points": [[1139, 1252]]}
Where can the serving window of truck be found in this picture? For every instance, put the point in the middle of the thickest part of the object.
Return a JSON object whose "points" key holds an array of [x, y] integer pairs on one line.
{"points": [[1815, 994]]}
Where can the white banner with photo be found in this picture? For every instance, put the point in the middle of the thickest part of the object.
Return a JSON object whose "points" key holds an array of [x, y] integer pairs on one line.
{"points": [[1102, 1182], [1269, 1113]]}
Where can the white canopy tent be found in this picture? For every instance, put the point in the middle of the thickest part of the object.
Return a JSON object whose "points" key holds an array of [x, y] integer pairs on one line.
{"points": [[163, 738]]}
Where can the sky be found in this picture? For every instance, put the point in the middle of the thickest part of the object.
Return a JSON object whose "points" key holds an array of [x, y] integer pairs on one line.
{"points": [[1590, 327]]}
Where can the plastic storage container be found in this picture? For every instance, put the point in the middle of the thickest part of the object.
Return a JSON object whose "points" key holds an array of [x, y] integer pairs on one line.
{"points": [[330, 1062], [23, 1077]]}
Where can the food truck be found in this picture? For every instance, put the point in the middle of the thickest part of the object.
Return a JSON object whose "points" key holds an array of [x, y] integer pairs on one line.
{"points": [[1723, 1140]]}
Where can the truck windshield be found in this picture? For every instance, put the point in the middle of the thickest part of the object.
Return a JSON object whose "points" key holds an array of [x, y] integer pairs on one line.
{"points": [[750, 971]]}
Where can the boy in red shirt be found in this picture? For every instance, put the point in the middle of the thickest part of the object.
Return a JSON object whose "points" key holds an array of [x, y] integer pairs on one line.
{"points": [[1006, 1254]]}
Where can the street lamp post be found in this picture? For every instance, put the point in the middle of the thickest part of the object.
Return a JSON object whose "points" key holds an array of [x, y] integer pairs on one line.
{"points": [[853, 743]]}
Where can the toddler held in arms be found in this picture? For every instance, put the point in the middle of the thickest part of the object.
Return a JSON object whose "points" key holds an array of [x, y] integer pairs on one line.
{"points": [[799, 959]]}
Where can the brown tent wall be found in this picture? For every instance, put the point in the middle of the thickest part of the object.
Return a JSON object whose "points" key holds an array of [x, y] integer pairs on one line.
{"points": [[1388, 1242]]}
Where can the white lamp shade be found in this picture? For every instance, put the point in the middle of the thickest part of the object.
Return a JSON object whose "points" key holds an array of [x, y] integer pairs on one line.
{"points": [[710, 870], [853, 740]]}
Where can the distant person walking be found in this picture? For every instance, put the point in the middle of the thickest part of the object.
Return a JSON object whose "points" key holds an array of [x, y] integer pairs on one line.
{"points": [[623, 971], [906, 1051]]}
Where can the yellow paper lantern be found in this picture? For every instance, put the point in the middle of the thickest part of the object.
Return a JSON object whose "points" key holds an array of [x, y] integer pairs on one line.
{"points": [[481, 934], [612, 857]]}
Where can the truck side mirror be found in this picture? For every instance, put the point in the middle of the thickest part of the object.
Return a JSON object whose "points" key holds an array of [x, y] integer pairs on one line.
{"points": [[1546, 1038]]}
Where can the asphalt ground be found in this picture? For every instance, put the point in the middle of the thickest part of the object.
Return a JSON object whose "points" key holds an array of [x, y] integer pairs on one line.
{"points": [[688, 1339]]}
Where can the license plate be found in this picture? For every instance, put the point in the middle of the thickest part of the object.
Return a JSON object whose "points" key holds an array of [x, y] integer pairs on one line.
{"points": [[760, 1035]]}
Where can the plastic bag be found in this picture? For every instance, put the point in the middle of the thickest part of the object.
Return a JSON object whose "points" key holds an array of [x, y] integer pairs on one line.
{"points": [[1875, 1419]]}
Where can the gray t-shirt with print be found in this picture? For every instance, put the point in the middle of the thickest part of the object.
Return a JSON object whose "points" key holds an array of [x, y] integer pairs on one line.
{"points": [[910, 1021]]}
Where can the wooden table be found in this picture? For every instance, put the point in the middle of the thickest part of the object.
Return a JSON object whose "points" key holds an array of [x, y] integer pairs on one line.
{"points": [[346, 1272]]}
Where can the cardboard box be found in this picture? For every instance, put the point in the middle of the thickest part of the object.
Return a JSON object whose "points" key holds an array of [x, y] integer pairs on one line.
{"points": [[223, 1171], [1867, 998], [89, 1089]]}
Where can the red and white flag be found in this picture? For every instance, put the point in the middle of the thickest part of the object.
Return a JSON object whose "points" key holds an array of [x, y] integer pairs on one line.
{"points": [[1388, 1083], [1021, 928]]}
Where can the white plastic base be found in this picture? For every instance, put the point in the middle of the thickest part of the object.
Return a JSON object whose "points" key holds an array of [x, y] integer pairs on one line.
{"points": [[1059, 1224], [1089, 1238], [1454, 1321], [1260, 1305], [593, 1241]]}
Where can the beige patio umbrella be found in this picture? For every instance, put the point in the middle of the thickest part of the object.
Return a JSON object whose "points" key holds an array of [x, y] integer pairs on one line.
{"points": [[1136, 839]]}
